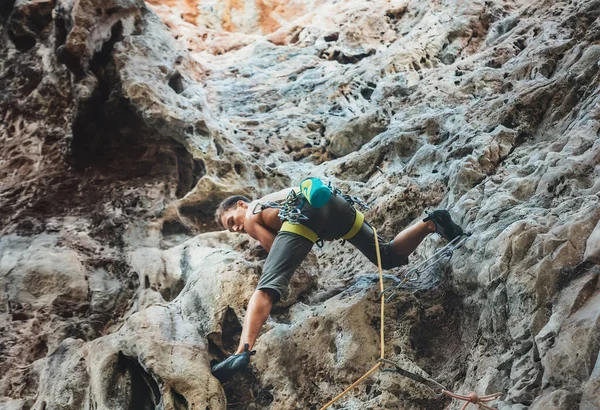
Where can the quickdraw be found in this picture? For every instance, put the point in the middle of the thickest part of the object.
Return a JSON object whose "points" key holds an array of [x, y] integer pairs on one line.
{"points": [[290, 209], [351, 199], [413, 274]]}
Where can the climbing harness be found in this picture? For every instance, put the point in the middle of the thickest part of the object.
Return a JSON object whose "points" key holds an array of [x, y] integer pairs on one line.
{"points": [[471, 398], [445, 252], [313, 191], [302, 230], [358, 221]]}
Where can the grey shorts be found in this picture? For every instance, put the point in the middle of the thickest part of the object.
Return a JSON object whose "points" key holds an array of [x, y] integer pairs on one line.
{"points": [[330, 222]]}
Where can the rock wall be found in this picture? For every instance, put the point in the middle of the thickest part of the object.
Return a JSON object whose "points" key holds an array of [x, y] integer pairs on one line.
{"points": [[123, 124]]}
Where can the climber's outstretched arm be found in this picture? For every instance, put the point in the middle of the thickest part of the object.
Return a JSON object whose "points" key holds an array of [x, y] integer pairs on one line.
{"points": [[261, 234]]}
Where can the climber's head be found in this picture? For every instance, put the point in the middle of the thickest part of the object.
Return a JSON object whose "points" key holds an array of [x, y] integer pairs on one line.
{"points": [[231, 213]]}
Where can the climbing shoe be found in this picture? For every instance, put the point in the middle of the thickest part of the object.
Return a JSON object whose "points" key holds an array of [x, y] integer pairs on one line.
{"points": [[232, 365], [444, 225]]}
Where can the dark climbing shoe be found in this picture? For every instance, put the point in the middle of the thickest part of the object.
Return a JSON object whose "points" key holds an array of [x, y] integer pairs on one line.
{"points": [[232, 365], [444, 225]]}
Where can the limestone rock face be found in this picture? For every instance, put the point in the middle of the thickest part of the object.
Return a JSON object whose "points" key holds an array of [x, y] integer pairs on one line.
{"points": [[123, 124]]}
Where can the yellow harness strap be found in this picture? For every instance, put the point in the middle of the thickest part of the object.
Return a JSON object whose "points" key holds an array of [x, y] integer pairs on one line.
{"points": [[358, 221], [300, 230], [313, 237], [309, 234]]}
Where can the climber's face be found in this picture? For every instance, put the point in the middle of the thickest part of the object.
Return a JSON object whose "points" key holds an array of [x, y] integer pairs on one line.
{"points": [[233, 219]]}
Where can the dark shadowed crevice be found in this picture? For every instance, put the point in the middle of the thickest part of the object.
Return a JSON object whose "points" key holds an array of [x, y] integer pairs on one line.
{"points": [[19, 33], [108, 133], [113, 10], [366, 93], [137, 389], [244, 391], [63, 54], [60, 32], [40, 350], [189, 171], [340, 57], [6, 7], [395, 14], [437, 337], [570, 273], [198, 171], [332, 37], [219, 147], [23, 41], [92, 129], [509, 121], [102, 57], [214, 348], [231, 330], [66, 57], [220, 345], [176, 83], [238, 168], [173, 291], [175, 227], [145, 393], [179, 402], [202, 216], [28, 21]]}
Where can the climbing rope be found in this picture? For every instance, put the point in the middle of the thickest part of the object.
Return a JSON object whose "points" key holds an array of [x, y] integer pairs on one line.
{"points": [[356, 383], [474, 399], [471, 398]]}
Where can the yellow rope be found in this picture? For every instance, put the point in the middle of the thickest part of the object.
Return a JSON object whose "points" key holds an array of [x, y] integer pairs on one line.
{"points": [[339, 396], [471, 398], [381, 291], [364, 376]]}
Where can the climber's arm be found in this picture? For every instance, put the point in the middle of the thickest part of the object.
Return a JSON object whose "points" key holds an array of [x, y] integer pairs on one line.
{"points": [[261, 234]]}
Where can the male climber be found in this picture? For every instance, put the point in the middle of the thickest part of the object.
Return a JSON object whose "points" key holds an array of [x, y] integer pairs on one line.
{"points": [[289, 244]]}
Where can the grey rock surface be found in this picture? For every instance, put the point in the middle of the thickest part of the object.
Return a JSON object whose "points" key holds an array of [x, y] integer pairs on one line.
{"points": [[123, 124]]}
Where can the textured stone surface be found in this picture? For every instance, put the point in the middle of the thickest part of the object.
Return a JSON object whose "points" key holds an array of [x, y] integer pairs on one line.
{"points": [[557, 400], [591, 397], [123, 124]]}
